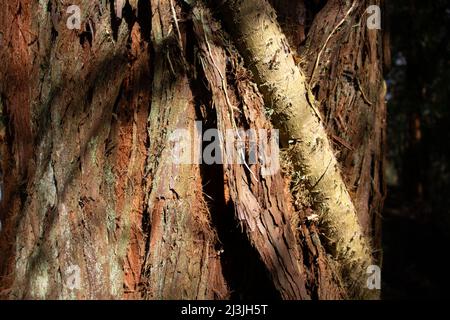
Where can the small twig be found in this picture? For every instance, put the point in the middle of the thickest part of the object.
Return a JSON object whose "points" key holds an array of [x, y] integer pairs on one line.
{"points": [[177, 27], [312, 100], [171, 65], [328, 39], [323, 174], [230, 106], [342, 142], [208, 196], [91, 29], [362, 93]]}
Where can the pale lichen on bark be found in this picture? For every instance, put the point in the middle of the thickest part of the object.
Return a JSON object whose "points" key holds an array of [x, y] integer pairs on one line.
{"points": [[254, 25]]}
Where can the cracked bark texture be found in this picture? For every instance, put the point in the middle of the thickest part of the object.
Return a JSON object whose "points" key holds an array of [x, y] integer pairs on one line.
{"points": [[85, 151], [255, 29], [349, 86]]}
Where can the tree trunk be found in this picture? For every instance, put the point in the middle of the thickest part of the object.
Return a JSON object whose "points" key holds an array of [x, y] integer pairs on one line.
{"points": [[93, 204]]}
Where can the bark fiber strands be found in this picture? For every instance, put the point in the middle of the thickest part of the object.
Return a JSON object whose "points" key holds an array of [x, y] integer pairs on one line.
{"points": [[253, 23], [260, 208], [181, 261]]}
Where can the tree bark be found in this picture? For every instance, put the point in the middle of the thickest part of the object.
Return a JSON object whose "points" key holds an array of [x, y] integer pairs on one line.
{"points": [[254, 26], [89, 185]]}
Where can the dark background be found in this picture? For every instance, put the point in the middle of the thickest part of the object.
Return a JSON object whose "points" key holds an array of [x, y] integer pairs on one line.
{"points": [[416, 218]]}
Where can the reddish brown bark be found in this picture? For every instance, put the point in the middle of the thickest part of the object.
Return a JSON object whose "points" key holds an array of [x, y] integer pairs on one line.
{"points": [[348, 83], [85, 155]]}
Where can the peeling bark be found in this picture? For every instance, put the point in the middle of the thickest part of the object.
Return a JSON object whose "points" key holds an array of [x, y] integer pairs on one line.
{"points": [[348, 84], [181, 259], [262, 213], [87, 178], [284, 87]]}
